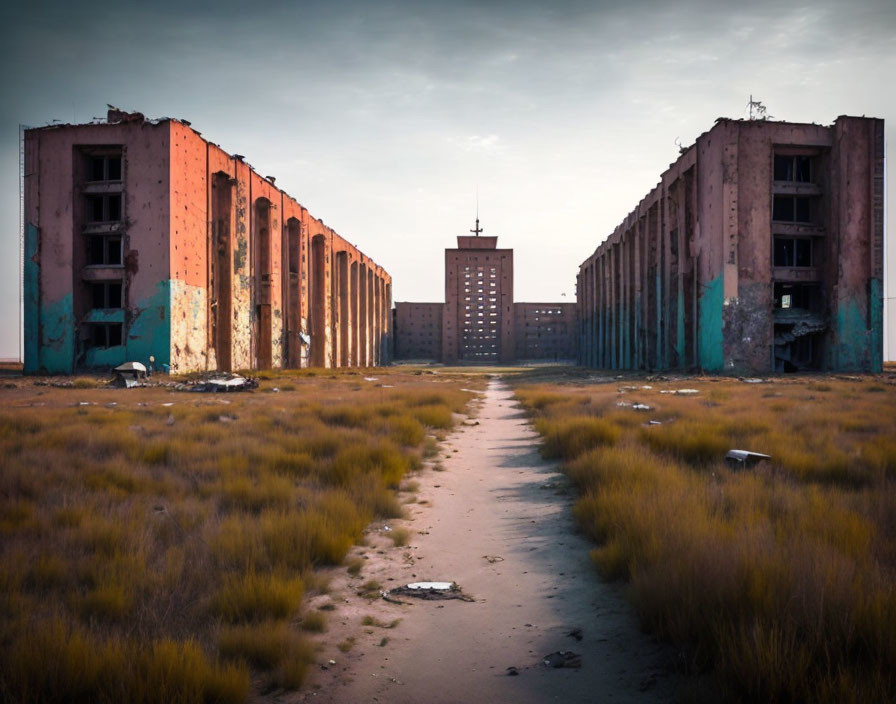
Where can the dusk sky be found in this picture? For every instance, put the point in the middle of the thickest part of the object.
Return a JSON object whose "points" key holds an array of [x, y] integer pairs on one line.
{"points": [[385, 118]]}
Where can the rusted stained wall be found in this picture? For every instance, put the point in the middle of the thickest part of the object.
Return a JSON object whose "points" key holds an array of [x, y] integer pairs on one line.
{"points": [[689, 279], [207, 277]]}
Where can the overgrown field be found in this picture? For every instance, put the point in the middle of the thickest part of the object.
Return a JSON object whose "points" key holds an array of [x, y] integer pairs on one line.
{"points": [[155, 546], [777, 583]]}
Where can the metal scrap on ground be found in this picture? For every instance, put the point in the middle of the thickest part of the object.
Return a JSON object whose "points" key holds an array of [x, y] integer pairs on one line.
{"points": [[430, 591], [740, 459], [217, 384]]}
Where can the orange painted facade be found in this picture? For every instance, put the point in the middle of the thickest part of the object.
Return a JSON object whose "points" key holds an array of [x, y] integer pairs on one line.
{"points": [[213, 268]]}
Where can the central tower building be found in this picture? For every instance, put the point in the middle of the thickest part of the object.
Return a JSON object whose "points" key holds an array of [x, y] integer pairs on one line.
{"points": [[477, 325]]}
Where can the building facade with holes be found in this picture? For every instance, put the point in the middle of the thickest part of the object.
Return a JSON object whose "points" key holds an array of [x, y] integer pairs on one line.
{"points": [[479, 322], [142, 239], [761, 249]]}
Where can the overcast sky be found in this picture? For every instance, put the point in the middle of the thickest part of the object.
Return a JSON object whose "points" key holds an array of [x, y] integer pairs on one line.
{"points": [[384, 118]]}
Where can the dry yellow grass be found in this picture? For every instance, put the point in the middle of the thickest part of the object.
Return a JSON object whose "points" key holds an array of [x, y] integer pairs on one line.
{"points": [[780, 580], [156, 545]]}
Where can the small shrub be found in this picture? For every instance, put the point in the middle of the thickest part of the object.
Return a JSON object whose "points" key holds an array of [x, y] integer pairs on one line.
{"points": [[400, 536], [314, 622], [258, 597]]}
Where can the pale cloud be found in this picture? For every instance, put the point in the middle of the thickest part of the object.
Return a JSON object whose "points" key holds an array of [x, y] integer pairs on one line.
{"points": [[383, 117]]}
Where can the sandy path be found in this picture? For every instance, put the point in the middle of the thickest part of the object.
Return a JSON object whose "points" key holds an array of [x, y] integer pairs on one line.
{"points": [[496, 497]]}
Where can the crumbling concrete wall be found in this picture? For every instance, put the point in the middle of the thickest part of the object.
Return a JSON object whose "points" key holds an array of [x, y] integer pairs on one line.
{"points": [[689, 279], [59, 313], [208, 279]]}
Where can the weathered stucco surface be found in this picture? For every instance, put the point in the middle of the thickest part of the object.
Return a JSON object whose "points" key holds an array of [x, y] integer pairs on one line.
{"points": [[180, 262], [689, 279]]}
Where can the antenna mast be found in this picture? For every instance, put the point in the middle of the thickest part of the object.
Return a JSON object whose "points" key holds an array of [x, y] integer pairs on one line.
{"points": [[478, 229]]}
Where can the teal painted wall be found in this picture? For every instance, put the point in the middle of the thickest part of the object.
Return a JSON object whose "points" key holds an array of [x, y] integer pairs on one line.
{"points": [[150, 330], [57, 336], [709, 335], [876, 316], [851, 331], [31, 284], [679, 331]]}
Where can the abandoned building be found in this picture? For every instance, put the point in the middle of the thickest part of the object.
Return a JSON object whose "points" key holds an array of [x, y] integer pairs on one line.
{"points": [[144, 241], [479, 321], [761, 249]]}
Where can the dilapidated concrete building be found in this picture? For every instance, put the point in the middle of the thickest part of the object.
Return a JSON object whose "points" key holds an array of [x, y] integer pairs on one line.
{"points": [[479, 321], [761, 249], [142, 239]]}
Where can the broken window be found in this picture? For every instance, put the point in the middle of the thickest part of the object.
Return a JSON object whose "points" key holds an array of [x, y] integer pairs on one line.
{"points": [[104, 168], [793, 251], [806, 296], [793, 168], [105, 335], [104, 208], [104, 250], [792, 209], [106, 294]]}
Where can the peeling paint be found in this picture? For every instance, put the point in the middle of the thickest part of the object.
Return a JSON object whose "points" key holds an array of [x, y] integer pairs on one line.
{"points": [[104, 315], [150, 331], [57, 336]]}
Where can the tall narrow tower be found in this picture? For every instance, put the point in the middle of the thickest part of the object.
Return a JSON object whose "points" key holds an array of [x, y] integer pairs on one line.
{"points": [[477, 325]]}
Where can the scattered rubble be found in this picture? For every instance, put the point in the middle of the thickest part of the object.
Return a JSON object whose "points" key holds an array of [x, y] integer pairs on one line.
{"points": [[217, 384], [430, 591]]}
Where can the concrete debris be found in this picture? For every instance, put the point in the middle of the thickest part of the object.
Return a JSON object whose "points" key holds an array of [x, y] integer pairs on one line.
{"points": [[430, 591], [744, 459], [218, 384], [122, 381]]}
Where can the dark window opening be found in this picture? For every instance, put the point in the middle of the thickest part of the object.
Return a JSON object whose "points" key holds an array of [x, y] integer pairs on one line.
{"points": [[792, 209], [104, 251], [104, 208], [793, 252], [105, 335], [104, 168], [793, 168], [106, 294], [797, 295]]}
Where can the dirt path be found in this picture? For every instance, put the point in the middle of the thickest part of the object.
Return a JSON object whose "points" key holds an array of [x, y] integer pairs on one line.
{"points": [[496, 498]]}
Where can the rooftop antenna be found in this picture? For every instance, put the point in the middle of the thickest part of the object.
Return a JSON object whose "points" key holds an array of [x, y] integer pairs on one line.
{"points": [[757, 111], [478, 229]]}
